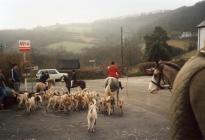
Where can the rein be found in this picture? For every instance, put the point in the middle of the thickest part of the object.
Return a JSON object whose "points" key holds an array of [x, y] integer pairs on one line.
{"points": [[158, 85]]}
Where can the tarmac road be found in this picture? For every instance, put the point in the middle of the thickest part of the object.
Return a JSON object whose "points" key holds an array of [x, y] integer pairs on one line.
{"points": [[146, 117]]}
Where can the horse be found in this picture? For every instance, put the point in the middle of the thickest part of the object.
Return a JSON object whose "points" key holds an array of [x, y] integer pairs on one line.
{"points": [[165, 72], [42, 87], [187, 115], [77, 83], [112, 87]]}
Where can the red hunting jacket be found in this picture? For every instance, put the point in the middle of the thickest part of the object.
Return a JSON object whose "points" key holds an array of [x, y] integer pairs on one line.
{"points": [[113, 71]]}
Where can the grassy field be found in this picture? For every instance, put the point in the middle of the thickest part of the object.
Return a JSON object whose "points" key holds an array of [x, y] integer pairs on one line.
{"points": [[70, 46], [183, 44], [187, 55]]}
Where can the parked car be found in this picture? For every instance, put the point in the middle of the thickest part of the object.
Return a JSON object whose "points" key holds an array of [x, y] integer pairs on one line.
{"points": [[53, 74]]}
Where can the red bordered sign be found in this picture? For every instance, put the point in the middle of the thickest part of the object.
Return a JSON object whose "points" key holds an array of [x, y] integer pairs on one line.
{"points": [[24, 45]]}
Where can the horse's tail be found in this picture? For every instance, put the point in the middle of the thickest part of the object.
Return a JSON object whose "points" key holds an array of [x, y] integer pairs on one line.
{"points": [[107, 85]]}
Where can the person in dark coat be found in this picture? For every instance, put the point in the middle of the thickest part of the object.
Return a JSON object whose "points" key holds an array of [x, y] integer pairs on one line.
{"points": [[73, 78], [16, 77], [2, 89], [44, 77]]}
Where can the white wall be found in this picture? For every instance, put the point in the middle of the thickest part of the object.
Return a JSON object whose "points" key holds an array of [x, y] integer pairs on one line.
{"points": [[201, 38]]}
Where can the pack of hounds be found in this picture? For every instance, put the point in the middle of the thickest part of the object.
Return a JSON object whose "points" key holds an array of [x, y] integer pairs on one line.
{"points": [[60, 100]]}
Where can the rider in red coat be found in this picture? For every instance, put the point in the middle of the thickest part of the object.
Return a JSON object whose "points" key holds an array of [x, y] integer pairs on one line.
{"points": [[113, 71]]}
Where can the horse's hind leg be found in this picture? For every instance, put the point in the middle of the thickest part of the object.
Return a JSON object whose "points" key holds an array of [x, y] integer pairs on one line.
{"points": [[68, 89], [82, 85], [117, 97]]}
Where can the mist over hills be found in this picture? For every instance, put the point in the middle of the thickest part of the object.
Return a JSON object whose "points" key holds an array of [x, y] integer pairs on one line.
{"points": [[181, 19], [106, 31]]}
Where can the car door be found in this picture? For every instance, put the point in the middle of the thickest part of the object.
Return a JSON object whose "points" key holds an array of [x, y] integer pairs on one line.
{"points": [[53, 74]]}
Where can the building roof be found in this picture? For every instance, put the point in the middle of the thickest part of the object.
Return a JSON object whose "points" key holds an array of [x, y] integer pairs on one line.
{"points": [[69, 64], [202, 24]]}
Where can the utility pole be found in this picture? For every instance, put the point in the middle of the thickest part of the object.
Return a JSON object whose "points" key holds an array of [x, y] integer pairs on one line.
{"points": [[1, 47], [122, 62]]}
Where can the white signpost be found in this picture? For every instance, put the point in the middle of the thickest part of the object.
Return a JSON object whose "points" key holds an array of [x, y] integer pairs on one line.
{"points": [[93, 61], [24, 46], [35, 68]]}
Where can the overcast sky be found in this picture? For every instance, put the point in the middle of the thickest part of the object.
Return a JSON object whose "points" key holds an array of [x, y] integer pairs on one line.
{"points": [[31, 13]]}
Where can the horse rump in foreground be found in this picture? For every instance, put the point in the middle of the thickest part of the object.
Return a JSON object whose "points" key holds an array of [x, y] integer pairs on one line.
{"points": [[77, 83], [188, 101], [163, 74]]}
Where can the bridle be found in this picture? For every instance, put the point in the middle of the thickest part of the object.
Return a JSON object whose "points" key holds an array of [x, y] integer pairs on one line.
{"points": [[158, 85], [160, 69], [157, 79]]}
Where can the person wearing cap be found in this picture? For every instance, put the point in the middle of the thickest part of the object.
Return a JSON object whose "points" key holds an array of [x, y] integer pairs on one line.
{"points": [[44, 77], [73, 78]]}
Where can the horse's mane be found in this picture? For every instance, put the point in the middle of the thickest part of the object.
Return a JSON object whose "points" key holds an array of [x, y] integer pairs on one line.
{"points": [[175, 66]]}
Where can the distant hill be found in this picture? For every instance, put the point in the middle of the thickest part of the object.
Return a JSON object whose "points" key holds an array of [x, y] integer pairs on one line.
{"points": [[181, 19], [46, 36], [107, 31]]}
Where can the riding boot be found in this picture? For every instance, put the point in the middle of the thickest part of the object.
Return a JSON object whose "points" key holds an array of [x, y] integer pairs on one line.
{"points": [[120, 85]]}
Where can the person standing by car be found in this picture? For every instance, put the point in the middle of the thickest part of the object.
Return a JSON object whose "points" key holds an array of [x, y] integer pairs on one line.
{"points": [[44, 77], [113, 71], [2, 88], [15, 75], [73, 78]]}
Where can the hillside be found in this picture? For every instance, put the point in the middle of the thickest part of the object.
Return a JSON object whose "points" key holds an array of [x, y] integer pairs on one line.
{"points": [[178, 20], [45, 36], [107, 31], [69, 46]]}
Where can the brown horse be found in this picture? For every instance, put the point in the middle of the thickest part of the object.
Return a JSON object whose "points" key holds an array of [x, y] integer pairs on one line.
{"points": [[164, 72], [77, 83], [188, 101]]}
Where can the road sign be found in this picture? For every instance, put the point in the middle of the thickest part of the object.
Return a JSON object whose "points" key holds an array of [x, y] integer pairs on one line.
{"points": [[92, 61], [24, 45], [35, 68]]}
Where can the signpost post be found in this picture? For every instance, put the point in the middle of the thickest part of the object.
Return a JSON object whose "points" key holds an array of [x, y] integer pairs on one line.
{"points": [[24, 46]]}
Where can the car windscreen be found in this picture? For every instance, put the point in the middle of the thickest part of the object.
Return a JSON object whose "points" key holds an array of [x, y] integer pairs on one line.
{"points": [[52, 72]]}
